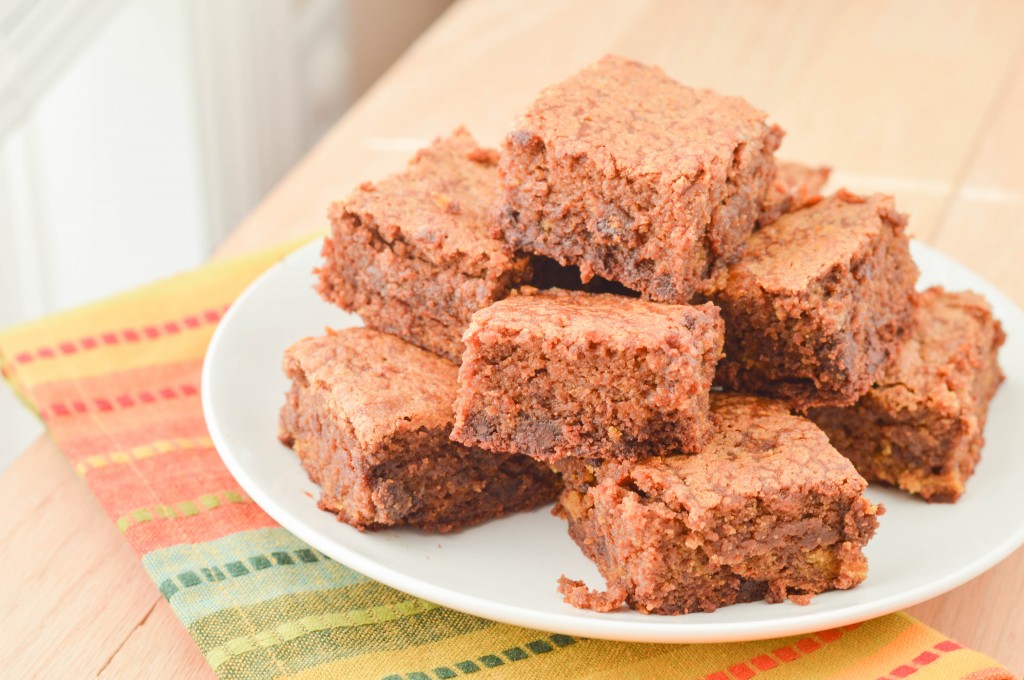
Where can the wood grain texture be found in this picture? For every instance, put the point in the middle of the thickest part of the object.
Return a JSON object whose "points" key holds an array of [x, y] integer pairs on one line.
{"points": [[158, 648], [922, 100], [73, 593]]}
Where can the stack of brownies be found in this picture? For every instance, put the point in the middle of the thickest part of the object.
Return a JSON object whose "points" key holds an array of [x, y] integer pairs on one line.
{"points": [[635, 310]]}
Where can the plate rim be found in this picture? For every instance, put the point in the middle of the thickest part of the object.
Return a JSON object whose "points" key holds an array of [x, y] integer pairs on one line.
{"points": [[603, 626]]}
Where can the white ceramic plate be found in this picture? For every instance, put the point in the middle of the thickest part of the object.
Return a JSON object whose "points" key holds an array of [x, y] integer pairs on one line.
{"points": [[506, 570]]}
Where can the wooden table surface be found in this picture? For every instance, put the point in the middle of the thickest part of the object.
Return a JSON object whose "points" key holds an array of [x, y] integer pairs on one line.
{"points": [[922, 100]]}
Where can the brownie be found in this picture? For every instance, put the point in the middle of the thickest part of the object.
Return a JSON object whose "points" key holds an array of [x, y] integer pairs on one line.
{"points": [[818, 304], [796, 186], [369, 416], [629, 175], [414, 254], [920, 426], [559, 373], [766, 510]]}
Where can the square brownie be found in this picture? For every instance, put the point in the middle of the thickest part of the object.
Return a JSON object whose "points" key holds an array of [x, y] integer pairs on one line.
{"points": [[767, 510], [414, 254], [818, 303], [629, 175], [559, 373], [369, 414], [795, 186], [920, 427]]}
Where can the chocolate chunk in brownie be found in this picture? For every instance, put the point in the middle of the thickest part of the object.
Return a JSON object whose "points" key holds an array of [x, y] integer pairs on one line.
{"points": [[766, 510], [796, 186], [559, 373], [414, 254], [631, 176], [920, 427], [817, 305], [369, 416]]}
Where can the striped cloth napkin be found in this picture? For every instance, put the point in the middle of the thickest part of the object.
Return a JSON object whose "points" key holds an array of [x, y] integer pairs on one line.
{"points": [[117, 384]]}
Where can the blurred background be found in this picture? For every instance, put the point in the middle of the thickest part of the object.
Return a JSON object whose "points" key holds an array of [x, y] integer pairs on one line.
{"points": [[135, 135]]}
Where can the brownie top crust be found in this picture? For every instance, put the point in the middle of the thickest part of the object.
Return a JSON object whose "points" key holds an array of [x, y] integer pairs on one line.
{"points": [[613, 320], [803, 246], [948, 330], [640, 120], [382, 385], [759, 450], [440, 208]]}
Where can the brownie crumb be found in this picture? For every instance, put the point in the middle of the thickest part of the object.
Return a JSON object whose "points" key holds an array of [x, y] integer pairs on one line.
{"points": [[802, 599], [580, 596]]}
